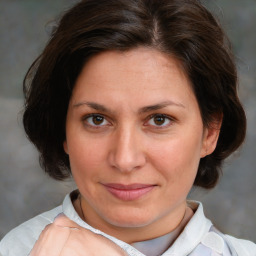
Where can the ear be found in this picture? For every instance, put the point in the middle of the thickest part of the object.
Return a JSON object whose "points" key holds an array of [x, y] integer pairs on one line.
{"points": [[65, 146], [210, 137]]}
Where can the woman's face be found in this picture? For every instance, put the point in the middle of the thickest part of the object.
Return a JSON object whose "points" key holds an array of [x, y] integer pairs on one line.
{"points": [[134, 136]]}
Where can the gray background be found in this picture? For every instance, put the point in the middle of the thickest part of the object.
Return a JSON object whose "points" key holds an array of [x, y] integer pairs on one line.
{"points": [[24, 188]]}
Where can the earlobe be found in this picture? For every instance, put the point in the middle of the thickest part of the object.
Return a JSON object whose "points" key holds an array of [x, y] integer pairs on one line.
{"points": [[210, 137], [65, 146]]}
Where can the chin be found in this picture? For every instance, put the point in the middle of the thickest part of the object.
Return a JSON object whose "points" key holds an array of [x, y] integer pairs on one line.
{"points": [[130, 220]]}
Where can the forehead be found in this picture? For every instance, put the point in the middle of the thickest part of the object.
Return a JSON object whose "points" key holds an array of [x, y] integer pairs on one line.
{"points": [[140, 61], [141, 75]]}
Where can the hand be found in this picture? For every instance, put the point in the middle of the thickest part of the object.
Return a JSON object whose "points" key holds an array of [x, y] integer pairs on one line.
{"points": [[64, 238]]}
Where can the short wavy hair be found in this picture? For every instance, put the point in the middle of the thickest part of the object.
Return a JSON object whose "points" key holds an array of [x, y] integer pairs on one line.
{"points": [[184, 29]]}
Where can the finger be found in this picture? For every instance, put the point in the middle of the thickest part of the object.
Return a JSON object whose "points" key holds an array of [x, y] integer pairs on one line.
{"points": [[63, 221], [88, 244], [51, 241]]}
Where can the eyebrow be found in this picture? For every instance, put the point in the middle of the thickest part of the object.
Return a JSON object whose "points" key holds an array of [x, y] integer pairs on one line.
{"points": [[102, 108], [93, 105], [160, 106]]}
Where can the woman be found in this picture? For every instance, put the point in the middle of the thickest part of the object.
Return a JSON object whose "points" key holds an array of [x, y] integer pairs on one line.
{"points": [[138, 101]]}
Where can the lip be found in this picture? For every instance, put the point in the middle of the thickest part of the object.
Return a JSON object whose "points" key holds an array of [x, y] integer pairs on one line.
{"points": [[128, 192]]}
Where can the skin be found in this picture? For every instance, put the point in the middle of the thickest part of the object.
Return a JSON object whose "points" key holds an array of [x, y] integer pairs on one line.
{"points": [[64, 238], [132, 119], [127, 141]]}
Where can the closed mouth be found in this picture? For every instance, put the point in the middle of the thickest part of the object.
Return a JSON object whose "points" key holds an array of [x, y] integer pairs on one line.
{"points": [[128, 192]]}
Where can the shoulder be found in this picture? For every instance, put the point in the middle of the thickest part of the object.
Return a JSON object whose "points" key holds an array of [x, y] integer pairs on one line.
{"points": [[242, 247], [21, 239], [212, 239]]}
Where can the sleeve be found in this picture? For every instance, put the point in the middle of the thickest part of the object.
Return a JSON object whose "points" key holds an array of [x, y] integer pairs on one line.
{"points": [[20, 240]]}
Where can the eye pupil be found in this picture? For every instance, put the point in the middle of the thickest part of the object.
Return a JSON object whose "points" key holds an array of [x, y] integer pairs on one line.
{"points": [[97, 120], [159, 120]]}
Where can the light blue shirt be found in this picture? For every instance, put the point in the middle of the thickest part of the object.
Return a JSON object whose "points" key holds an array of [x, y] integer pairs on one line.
{"points": [[199, 237]]}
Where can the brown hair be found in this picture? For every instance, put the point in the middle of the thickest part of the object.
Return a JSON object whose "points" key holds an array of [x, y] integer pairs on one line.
{"points": [[182, 28]]}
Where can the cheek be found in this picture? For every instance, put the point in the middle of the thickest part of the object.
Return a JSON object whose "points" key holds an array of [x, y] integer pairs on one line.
{"points": [[85, 164], [85, 157], [177, 159]]}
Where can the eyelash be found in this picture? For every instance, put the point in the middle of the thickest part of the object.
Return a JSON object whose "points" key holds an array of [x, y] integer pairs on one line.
{"points": [[95, 126], [86, 123], [166, 117]]}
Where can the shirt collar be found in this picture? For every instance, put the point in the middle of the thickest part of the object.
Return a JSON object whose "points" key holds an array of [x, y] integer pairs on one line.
{"points": [[183, 245]]}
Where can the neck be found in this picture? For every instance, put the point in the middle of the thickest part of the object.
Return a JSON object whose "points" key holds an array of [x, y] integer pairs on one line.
{"points": [[160, 244]]}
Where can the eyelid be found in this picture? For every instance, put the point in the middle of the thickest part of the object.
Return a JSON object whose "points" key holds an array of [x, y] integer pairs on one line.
{"points": [[160, 114], [85, 117], [170, 118], [147, 119]]}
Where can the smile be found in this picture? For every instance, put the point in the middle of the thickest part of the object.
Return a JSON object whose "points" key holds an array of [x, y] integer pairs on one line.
{"points": [[128, 192]]}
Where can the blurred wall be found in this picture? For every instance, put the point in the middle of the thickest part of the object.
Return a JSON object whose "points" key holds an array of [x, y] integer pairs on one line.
{"points": [[24, 188]]}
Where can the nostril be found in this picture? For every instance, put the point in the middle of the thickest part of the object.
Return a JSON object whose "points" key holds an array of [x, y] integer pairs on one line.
{"points": [[127, 162]]}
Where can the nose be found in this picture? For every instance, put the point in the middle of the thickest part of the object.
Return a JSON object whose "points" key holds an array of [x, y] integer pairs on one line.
{"points": [[127, 152]]}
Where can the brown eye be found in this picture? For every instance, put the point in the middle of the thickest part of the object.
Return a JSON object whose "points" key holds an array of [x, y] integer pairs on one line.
{"points": [[97, 120], [160, 121]]}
